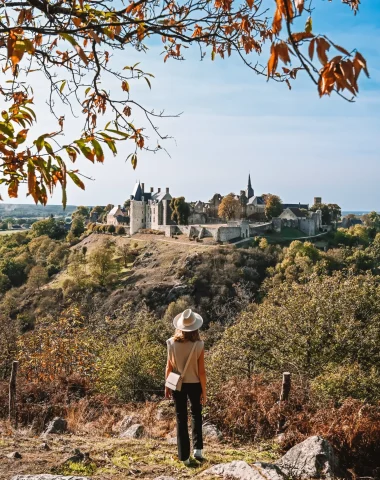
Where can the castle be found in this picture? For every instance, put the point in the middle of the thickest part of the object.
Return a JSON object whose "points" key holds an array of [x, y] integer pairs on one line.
{"points": [[151, 210]]}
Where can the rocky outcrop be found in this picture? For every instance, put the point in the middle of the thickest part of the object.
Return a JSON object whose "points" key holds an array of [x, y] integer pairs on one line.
{"points": [[240, 470], [56, 426], [127, 422], [47, 477], [312, 458], [135, 431], [210, 432]]}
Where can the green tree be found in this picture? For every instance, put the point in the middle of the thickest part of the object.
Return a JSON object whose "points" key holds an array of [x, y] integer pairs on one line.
{"points": [[5, 283], [305, 328], [102, 265], [77, 226], [229, 207], [54, 229], [273, 206], [330, 212], [14, 270], [125, 254], [81, 211], [180, 210], [372, 220], [127, 204], [37, 277]]}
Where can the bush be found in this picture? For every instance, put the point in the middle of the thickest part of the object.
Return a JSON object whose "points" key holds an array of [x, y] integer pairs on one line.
{"points": [[248, 409], [339, 382], [25, 322], [120, 230], [111, 229], [52, 270]]}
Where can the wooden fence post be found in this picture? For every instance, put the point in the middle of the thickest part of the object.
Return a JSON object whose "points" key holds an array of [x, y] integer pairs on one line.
{"points": [[12, 395], [285, 390]]}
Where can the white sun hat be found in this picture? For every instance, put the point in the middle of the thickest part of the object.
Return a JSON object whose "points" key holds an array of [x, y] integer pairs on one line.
{"points": [[188, 321]]}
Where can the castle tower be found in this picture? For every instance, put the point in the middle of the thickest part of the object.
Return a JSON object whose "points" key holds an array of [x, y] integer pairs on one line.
{"points": [[249, 193], [137, 216]]}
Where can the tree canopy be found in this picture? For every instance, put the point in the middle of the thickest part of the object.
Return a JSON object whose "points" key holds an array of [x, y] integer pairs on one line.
{"points": [[229, 207], [78, 45], [273, 205], [180, 210]]}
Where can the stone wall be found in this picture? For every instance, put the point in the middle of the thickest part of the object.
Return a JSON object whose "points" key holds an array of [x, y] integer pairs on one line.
{"points": [[226, 234], [260, 228]]}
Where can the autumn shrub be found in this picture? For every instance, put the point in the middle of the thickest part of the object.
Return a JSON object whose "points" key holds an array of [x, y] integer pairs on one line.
{"points": [[120, 230], [58, 349], [248, 410], [111, 228]]}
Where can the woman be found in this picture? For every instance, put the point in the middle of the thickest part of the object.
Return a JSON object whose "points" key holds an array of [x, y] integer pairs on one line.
{"points": [[180, 347]]}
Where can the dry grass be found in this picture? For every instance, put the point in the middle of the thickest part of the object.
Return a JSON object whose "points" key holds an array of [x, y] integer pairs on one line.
{"points": [[249, 409], [112, 458]]}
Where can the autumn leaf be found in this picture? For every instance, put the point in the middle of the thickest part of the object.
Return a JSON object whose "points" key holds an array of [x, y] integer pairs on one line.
{"points": [[298, 37], [277, 21], [322, 47], [309, 25], [74, 177], [273, 61], [125, 86], [134, 161], [311, 49], [300, 5], [98, 151], [32, 181]]}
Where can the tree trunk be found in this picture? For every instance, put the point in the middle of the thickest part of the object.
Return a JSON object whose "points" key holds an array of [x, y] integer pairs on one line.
{"points": [[12, 395]]}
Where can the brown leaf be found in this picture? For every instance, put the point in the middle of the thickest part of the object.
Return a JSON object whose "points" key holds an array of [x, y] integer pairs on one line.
{"points": [[341, 49], [273, 61], [81, 54], [311, 49], [322, 47], [362, 62], [77, 21], [250, 3], [277, 21], [300, 5], [283, 52], [298, 37]]}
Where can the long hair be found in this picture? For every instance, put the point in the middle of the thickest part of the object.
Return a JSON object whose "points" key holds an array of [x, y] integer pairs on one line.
{"points": [[181, 336]]}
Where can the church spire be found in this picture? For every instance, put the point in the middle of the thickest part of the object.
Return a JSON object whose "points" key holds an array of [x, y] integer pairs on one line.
{"points": [[250, 193]]}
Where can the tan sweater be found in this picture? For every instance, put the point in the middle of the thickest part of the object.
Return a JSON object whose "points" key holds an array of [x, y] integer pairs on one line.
{"points": [[179, 352]]}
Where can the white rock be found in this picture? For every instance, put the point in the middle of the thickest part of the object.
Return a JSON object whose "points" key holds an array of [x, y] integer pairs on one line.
{"points": [[312, 458], [210, 432], [128, 421], [135, 431], [240, 470]]}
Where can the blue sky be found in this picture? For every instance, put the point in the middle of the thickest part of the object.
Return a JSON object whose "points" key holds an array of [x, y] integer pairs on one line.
{"points": [[293, 143]]}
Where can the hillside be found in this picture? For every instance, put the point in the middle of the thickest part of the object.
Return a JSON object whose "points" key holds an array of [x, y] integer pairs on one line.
{"points": [[20, 210], [89, 320]]}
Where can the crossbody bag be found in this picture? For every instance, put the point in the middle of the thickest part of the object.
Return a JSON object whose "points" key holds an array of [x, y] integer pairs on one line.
{"points": [[174, 380]]}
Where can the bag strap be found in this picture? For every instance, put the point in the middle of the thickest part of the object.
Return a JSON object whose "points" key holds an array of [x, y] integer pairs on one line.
{"points": [[188, 360]]}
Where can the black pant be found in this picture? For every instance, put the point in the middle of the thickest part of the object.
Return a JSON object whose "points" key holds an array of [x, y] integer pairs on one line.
{"points": [[193, 391]]}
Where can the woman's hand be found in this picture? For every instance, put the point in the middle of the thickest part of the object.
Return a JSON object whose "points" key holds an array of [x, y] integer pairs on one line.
{"points": [[203, 398], [168, 393]]}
